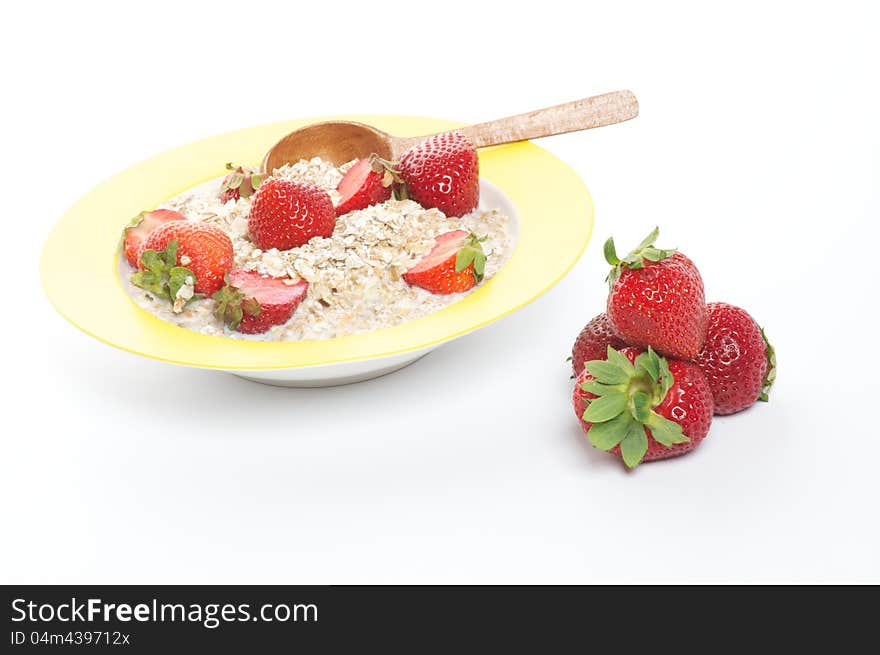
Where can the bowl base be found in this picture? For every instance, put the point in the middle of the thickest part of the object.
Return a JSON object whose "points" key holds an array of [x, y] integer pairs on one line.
{"points": [[320, 376]]}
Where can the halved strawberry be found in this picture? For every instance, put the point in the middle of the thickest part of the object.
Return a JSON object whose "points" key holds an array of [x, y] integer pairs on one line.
{"points": [[368, 182], [252, 303], [139, 229], [455, 264]]}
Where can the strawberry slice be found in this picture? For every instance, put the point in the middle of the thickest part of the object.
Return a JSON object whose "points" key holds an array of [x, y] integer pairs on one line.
{"points": [[368, 182], [455, 264], [252, 303], [139, 229]]}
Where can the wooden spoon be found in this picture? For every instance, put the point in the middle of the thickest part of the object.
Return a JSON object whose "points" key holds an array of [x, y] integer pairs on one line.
{"points": [[342, 141]]}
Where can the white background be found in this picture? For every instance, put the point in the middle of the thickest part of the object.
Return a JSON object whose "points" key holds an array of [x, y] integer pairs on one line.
{"points": [[757, 152]]}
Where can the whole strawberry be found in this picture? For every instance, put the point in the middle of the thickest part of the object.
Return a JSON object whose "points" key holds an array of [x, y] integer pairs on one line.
{"points": [[641, 406], [656, 299], [443, 171], [252, 303], [202, 248], [455, 264], [737, 359], [368, 182], [139, 229], [286, 214], [241, 182], [593, 342]]}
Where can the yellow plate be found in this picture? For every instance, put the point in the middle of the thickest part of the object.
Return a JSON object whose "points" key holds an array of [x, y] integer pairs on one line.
{"points": [[79, 274]]}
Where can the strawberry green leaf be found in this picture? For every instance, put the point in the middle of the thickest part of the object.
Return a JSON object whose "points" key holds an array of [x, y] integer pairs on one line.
{"points": [[597, 388], [770, 376], [611, 252], [170, 253], [256, 181], [152, 282], [152, 261], [607, 372], [137, 220], [179, 277], [649, 240], [464, 258], [479, 265], [666, 378], [634, 445], [648, 362], [605, 407], [664, 431], [640, 406], [620, 360], [605, 436]]}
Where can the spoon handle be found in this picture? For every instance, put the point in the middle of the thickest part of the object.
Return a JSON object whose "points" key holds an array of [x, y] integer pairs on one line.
{"points": [[585, 114]]}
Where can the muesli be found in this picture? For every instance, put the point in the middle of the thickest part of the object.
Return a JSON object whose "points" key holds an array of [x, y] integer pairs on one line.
{"points": [[316, 251]]}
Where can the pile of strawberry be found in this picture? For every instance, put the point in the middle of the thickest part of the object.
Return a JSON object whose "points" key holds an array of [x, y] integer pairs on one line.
{"points": [[181, 261], [654, 368]]}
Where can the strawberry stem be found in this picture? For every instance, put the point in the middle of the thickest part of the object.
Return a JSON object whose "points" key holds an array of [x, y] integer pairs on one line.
{"points": [[645, 251]]}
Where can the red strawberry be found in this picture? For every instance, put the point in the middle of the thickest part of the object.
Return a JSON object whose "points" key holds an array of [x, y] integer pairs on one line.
{"points": [[202, 248], [287, 214], [641, 406], [656, 299], [252, 303], [368, 182], [241, 182], [455, 264], [443, 171], [593, 342], [737, 359], [139, 229]]}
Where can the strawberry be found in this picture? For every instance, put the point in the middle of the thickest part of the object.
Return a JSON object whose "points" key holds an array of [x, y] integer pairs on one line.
{"points": [[252, 303], [443, 171], [139, 229], [593, 342], [737, 359], [286, 214], [641, 406], [368, 182], [241, 182], [455, 264], [656, 299], [202, 248]]}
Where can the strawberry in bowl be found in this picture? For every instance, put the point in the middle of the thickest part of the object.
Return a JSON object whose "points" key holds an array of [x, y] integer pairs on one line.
{"points": [[455, 264], [252, 303]]}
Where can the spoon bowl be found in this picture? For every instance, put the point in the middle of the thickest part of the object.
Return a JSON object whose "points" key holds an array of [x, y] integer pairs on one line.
{"points": [[334, 141]]}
